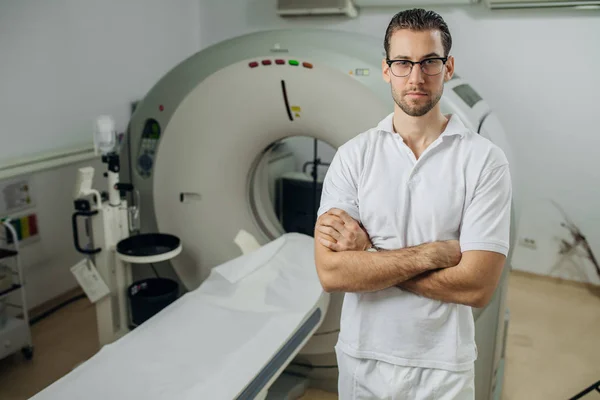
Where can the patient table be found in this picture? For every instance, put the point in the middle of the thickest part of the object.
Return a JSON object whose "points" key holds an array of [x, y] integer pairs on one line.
{"points": [[228, 339]]}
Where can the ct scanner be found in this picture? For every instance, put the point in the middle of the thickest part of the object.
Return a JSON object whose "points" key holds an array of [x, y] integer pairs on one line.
{"points": [[194, 152]]}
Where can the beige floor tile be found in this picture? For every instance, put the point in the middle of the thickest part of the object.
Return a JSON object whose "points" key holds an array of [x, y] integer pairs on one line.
{"points": [[553, 349]]}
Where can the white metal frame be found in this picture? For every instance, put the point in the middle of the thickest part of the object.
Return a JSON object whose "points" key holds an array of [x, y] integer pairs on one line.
{"points": [[16, 334]]}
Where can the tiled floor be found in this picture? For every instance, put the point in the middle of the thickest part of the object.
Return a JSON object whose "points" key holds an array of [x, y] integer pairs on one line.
{"points": [[553, 344], [553, 349]]}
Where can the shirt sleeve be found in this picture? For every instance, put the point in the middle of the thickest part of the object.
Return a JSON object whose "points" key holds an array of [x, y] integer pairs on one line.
{"points": [[486, 221], [340, 186]]}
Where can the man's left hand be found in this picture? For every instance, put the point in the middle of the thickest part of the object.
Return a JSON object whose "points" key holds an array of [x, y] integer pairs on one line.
{"points": [[346, 233]]}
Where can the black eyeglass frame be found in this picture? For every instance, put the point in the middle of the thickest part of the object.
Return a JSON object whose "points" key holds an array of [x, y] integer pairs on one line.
{"points": [[412, 64]]}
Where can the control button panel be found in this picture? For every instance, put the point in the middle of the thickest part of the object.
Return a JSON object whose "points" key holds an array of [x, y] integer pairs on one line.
{"points": [[148, 147]]}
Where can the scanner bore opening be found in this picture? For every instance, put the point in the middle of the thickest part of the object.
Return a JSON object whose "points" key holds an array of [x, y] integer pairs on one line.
{"points": [[285, 183]]}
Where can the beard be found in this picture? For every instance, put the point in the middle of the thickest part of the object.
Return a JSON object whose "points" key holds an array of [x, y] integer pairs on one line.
{"points": [[419, 107]]}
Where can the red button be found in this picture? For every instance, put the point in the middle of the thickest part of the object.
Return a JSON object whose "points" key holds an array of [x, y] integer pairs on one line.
{"points": [[280, 62], [266, 62], [253, 64], [307, 65]]}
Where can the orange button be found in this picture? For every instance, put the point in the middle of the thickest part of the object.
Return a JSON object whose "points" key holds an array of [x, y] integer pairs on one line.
{"points": [[307, 65]]}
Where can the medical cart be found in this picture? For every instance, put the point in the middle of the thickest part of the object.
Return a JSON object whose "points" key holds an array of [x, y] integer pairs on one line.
{"points": [[15, 332]]}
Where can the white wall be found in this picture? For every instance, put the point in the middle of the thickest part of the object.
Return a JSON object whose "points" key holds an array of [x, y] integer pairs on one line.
{"points": [[65, 62], [537, 69]]}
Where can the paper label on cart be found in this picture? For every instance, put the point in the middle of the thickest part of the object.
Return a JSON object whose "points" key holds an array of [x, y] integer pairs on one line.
{"points": [[90, 280]]}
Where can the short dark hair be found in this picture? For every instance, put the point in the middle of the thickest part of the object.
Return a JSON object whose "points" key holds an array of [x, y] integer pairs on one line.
{"points": [[418, 19]]}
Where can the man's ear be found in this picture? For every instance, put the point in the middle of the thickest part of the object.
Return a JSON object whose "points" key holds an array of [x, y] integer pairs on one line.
{"points": [[449, 70], [385, 70]]}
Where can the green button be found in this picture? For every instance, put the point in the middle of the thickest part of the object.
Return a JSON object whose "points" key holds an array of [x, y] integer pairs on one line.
{"points": [[294, 62]]}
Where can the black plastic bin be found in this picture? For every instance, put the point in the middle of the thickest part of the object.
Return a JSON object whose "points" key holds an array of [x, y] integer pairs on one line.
{"points": [[148, 296]]}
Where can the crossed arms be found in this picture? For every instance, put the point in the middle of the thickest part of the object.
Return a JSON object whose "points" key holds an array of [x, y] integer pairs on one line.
{"points": [[437, 270]]}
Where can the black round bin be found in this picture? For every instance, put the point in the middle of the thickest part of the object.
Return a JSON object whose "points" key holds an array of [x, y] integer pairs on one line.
{"points": [[148, 296]]}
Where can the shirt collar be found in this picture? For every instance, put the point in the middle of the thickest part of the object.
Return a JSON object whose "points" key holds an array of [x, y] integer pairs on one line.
{"points": [[455, 125]]}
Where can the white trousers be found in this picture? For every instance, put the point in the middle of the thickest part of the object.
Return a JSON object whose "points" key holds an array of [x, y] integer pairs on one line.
{"points": [[372, 379]]}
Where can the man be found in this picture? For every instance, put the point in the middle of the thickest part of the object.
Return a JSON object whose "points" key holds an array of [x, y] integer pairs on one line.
{"points": [[430, 200]]}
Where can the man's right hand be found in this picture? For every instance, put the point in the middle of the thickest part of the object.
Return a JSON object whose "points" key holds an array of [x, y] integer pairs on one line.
{"points": [[340, 232], [445, 254]]}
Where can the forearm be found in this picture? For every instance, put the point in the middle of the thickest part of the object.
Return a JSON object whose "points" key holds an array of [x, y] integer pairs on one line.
{"points": [[450, 285], [361, 271]]}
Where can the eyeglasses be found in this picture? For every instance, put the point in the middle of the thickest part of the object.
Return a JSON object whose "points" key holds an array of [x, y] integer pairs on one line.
{"points": [[429, 66]]}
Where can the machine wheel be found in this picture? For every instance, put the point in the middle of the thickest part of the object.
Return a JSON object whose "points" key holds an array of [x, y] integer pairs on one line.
{"points": [[27, 352]]}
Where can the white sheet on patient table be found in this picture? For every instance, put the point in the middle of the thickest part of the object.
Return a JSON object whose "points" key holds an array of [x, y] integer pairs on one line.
{"points": [[211, 342]]}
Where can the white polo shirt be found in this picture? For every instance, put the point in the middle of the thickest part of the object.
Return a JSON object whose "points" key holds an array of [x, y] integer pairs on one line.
{"points": [[460, 188]]}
